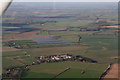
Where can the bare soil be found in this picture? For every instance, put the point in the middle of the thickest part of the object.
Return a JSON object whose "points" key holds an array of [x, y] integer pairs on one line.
{"points": [[6, 49], [116, 57], [26, 35], [113, 72], [111, 26]]}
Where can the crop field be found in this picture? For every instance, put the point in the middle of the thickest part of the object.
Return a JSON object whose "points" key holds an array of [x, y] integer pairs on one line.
{"points": [[79, 74], [29, 38], [38, 75], [75, 67]]}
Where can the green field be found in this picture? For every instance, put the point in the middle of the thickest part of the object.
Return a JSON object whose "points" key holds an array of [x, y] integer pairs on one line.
{"points": [[75, 67], [37, 75], [78, 74]]}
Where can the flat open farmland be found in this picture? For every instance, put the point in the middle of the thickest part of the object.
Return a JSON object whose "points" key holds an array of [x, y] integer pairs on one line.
{"points": [[46, 40], [75, 67]]}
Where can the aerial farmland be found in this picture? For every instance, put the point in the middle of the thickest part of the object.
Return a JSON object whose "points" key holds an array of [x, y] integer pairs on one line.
{"points": [[47, 40]]}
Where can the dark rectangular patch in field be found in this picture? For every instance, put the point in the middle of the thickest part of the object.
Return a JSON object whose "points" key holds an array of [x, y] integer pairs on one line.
{"points": [[22, 29]]}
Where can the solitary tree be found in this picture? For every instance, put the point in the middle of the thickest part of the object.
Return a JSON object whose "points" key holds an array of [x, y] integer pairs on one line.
{"points": [[79, 38]]}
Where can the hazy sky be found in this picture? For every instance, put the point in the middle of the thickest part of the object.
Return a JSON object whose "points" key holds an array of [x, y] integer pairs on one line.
{"points": [[66, 0]]}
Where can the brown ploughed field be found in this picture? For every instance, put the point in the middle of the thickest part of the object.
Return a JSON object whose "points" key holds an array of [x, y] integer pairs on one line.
{"points": [[113, 72]]}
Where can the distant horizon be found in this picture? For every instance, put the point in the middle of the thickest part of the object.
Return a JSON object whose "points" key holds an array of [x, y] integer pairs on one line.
{"points": [[72, 2], [65, 0]]}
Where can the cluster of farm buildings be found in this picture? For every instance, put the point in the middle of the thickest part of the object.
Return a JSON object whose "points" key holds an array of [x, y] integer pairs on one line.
{"points": [[62, 57]]}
